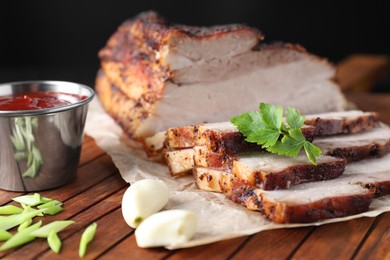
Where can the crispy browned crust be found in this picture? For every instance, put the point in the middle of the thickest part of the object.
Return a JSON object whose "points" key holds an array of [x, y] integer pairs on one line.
{"points": [[181, 137], [151, 30], [214, 160], [327, 208], [208, 181], [280, 212], [234, 142], [130, 63], [324, 127], [379, 188], [353, 154], [297, 174], [128, 113]]}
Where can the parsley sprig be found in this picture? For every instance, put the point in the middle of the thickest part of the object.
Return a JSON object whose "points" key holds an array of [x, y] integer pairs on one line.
{"points": [[267, 129]]}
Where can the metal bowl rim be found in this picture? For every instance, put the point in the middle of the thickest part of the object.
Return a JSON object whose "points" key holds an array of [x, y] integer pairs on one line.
{"points": [[48, 110]]}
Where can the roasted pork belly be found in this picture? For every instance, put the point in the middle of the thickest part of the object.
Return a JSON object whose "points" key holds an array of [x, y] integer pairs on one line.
{"points": [[173, 75]]}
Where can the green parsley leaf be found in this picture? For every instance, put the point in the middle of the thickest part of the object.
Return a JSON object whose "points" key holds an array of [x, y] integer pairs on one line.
{"points": [[248, 122], [296, 134], [264, 137], [312, 152], [272, 115], [288, 146], [294, 118], [266, 128]]}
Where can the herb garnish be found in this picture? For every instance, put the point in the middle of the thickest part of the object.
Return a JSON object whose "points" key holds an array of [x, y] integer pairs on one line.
{"points": [[267, 129]]}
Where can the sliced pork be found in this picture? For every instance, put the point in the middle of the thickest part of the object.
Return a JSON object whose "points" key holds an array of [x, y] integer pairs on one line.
{"points": [[225, 137], [313, 202], [353, 147], [356, 147], [269, 171], [349, 194]]}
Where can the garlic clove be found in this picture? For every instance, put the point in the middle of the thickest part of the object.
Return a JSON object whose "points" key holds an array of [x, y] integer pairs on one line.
{"points": [[142, 199], [166, 227]]}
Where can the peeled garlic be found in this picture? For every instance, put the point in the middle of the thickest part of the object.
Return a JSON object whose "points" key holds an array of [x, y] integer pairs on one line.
{"points": [[166, 227], [142, 199]]}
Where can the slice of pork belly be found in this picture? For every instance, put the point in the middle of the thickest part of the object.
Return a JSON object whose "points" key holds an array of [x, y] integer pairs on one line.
{"points": [[371, 173], [270, 171], [356, 147], [180, 162], [313, 201], [344, 122], [212, 179]]}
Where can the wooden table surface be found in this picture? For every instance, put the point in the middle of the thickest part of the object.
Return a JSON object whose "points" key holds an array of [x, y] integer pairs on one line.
{"points": [[96, 196]]}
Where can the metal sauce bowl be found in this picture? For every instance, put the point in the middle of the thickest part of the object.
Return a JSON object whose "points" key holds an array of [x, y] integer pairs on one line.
{"points": [[40, 149]]}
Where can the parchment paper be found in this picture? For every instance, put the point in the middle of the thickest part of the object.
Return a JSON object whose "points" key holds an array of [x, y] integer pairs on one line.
{"points": [[218, 218]]}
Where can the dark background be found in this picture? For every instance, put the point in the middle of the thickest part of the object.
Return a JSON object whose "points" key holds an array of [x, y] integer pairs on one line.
{"points": [[59, 40]]}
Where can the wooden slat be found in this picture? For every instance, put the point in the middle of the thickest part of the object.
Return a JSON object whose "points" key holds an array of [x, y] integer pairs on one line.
{"points": [[6, 196], [109, 232], [83, 208], [87, 176], [337, 240], [211, 251], [373, 102], [273, 244], [128, 247], [377, 245]]}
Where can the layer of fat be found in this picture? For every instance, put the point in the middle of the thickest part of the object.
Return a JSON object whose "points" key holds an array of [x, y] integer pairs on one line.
{"points": [[180, 52], [366, 171], [267, 162], [314, 191], [379, 135], [156, 142], [287, 84], [223, 127], [210, 179], [350, 114], [180, 161]]}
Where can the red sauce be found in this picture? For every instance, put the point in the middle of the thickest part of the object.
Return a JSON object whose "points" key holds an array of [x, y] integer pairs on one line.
{"points": [[37, 100]]}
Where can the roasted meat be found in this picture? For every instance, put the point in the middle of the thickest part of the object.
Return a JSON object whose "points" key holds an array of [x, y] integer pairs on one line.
{"points": [[172, 75]]}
